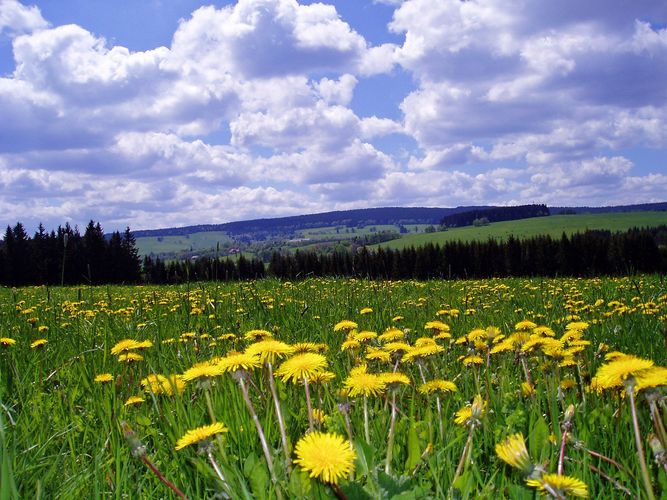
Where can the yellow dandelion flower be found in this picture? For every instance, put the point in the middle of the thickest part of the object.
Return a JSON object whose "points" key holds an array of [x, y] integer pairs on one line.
{"points": [[350, 344], [321, 377], [366, 310], [471, 413], [393, 347], [130, 345], [437, 385], [194, 436], [319, 415], [394, 379], [346, 325], [396, 319], [207, 369], [239, 361], [422, 352], [257, 335], [301, 347], [472, 360], [301, 366], [42, 328], [513, 452], [375, 354], [365, 336], [327, 457], [527, 389], [130, 357], [134, 400], [615, 373], [651, 377], [38, 343], [525, 325], [438, 326], [561, 485], [6, 341], [391, 335], [269, 350], [161, 384], [364, 384], [103, 378]]}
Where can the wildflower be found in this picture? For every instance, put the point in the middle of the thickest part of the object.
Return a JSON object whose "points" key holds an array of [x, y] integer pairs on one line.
{"points": [[350, 344], [257, 335], [472, 360], [364, 384], [321, 377], [437, 326], [651, 377], [134, 400], [269, 350], [5, 341], [103, 378], [235, 362], [194, 436], [301, 366], [130, 357], [422, 352], [319, 415], [373, 353], [130, 345], [513, 452], [38, 343], [470, 414], [559, 486], [207, 369], [366, 310], [527, 389], [393, 347], [615, 373], [365, 336], [42, 328], [327, 457], [437, 385], [394, 379], [345, 325], [161, 384], [301, 347], [391, 335], [525, 325]]}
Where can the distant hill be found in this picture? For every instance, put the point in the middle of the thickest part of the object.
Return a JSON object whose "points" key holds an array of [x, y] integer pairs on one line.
{"points": [[348, 218], [367, 217]]}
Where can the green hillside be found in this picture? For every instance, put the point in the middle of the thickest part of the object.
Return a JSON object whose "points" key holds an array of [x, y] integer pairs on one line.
{"points": [[553, 225], [195, 241]]}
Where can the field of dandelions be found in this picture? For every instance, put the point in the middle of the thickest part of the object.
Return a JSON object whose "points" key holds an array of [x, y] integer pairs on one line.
{"points": [[325, 388]]}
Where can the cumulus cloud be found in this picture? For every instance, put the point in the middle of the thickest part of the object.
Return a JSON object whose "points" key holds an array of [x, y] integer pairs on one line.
{"points": [[254, 109], [16, 18]]}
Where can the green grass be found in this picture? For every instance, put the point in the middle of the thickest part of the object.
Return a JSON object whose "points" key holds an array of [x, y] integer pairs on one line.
{"points": [[60, 433], [553, 225], [176, 244]]}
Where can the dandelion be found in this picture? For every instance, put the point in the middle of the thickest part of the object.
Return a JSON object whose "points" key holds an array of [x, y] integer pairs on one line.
{"points": [[134, 400], [269, 350], [513, 452], [238, 361], [558, 486], [103, 378], [301, 366], [364, 384], [257, 335], [130, 357], [366, 310], [199, 434], [160, 384], [130, 345], [38, 343], [6, 341], [525, 325], [346, 325], [438, 385], [327, 457], [417, 352], [205, 370], [615, 373]]}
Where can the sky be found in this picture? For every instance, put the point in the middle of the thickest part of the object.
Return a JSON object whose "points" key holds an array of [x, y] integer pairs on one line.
{"points": [[163, 113]]}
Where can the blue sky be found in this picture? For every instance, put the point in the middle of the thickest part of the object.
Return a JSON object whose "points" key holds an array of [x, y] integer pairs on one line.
{"points": [[157, 113]]}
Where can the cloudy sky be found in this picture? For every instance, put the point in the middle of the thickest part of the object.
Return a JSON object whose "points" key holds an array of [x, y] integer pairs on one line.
{"points": [[158, 113]]}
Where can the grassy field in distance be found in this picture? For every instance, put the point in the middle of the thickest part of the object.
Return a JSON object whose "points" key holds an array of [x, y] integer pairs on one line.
{"points": [[553, 225], [196, 241]]}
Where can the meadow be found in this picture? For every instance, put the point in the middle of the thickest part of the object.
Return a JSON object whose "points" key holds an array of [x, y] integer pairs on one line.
{"points": [[553, 225], [327, 388]]}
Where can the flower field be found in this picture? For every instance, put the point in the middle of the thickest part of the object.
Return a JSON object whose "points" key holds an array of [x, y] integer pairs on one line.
{"points": [[505, 388]]}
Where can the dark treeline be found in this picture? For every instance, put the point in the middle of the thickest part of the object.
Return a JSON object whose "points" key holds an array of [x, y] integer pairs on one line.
{"points": [[494, 214], [593, 253], [66, 256], [157, 271]]}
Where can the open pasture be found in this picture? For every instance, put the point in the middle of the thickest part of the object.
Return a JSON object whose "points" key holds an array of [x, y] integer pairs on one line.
{"points": [[412, 389]]}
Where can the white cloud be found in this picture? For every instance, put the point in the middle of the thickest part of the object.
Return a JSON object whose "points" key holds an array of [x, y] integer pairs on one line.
{"points": [[16, 18]]}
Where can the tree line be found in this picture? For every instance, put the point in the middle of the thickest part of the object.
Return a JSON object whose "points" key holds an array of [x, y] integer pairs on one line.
{"points": [[65, 256], [494, 214]]}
